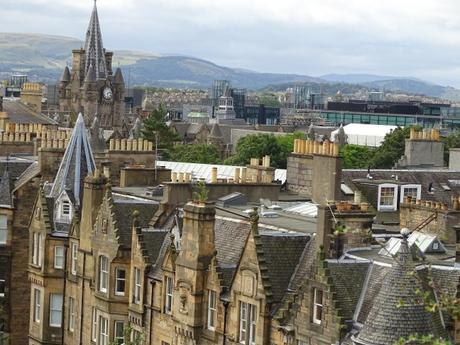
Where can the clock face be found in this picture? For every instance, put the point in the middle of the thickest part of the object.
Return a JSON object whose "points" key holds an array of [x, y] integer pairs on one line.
{"points": [[107, 93]]}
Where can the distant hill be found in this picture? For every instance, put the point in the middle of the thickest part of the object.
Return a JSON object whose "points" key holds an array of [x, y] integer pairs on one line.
{"points": [[43, 57]]}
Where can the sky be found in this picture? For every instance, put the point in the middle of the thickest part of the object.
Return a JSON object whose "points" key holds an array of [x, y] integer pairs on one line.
{"points": [[417, 38]]}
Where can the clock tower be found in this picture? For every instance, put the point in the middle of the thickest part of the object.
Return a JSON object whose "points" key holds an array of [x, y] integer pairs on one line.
{"points": [[90, 86]]}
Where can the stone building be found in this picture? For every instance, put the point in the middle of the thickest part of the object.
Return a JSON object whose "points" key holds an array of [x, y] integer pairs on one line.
{"points": [[90, 86]]}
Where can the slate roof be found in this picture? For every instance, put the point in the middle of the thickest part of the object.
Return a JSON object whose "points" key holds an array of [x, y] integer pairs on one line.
{"points": [[32, 171], [6, 199], [305, 267], [123, 214], [230, 239], [348, 280], [356, 179], [396, 311], [281, 254], [20, 113], [14, 165], [377, 275], [153, 242], [77, 163]]}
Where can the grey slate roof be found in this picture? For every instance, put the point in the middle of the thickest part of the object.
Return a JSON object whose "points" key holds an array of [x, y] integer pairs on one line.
{"points": [[153, 242], [282, 253], [5, 190], [77, 163], [305, 267], [230, 239], [397, 311], [123, 213], [65, 75], [94, 49], [32, 171]]}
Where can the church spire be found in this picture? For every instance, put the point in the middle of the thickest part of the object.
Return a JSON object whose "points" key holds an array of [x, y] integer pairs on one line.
{"points": [[94, 48]]}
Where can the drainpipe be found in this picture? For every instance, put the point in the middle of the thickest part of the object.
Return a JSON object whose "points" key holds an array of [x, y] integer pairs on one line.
{"points": [[66, 249], [82, 298], [152, 284], [226, 304]]}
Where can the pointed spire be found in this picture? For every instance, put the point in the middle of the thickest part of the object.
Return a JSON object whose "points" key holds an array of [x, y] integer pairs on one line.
{"points": [[77, 163], [119, 76], [94, 48], [65, 78]]}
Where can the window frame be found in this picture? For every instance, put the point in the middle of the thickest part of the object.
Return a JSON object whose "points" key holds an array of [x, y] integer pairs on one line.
{"points": [[410, 186], [212, 310], [247, 323], [103, 274], [317, 305], [118, 279], [103, 338], [61, 257], [117, 337], [74, 258], [71, 314], [2, 288], [94, 324], [394, 205], [37, 305], [37, 249], [3, 229], [169, 295], [53, 311], [137, 293]]}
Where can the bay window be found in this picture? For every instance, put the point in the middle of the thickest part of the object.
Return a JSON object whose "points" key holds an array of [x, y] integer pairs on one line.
{"points": [[55, 310]]}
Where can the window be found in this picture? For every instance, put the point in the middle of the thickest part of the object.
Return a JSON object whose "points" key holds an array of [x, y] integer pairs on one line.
{"points": [[120, 281], [387, 197], [37, 305], [413, 190], [248, 323], [103, 273], [37, 249], [119, 331], [137, 285], [59, 257], [94, 324], [3, 229], [2, 287], [65, 210], [55, 310], [71, 314], [103, 331], [168, 295], [212, 310], [136, 337], [74, 262], [317, 306]]}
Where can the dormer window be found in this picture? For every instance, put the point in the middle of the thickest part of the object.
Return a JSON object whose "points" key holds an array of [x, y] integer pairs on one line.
{"points": [[412, 190], [63, 209], [387, 197]]}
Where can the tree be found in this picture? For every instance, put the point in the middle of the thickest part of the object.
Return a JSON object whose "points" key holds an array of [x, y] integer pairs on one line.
{"points": [[259, 145], [356, 157], [391, 150], [155, 124], [269, 100], [130, 337], [197, 153]]}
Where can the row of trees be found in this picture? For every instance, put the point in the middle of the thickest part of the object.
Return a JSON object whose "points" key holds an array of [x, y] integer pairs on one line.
{"points": [[277, 147]]}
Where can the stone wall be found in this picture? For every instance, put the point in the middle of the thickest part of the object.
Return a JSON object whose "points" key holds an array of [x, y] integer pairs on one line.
{"points": [[442, 225], [139, 177]]}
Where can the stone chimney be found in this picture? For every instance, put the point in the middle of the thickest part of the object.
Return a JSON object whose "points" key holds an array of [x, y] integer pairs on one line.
{"points": [[198, 250], [49, 159], [94, 188]]}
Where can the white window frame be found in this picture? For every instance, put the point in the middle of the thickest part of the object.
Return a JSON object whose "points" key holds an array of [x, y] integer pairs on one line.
{"points": [[119, 339], [137, 286], [94, 324], [37, 249], [74, 258], [394, 205], [3, 229], [59, 257], [37, 317], [103, 331], [119, 280], [318, 305], [410, 186], [169, 288], [212, 310], [103, 273], [247, 323], [55, 312], [71, 314]]}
